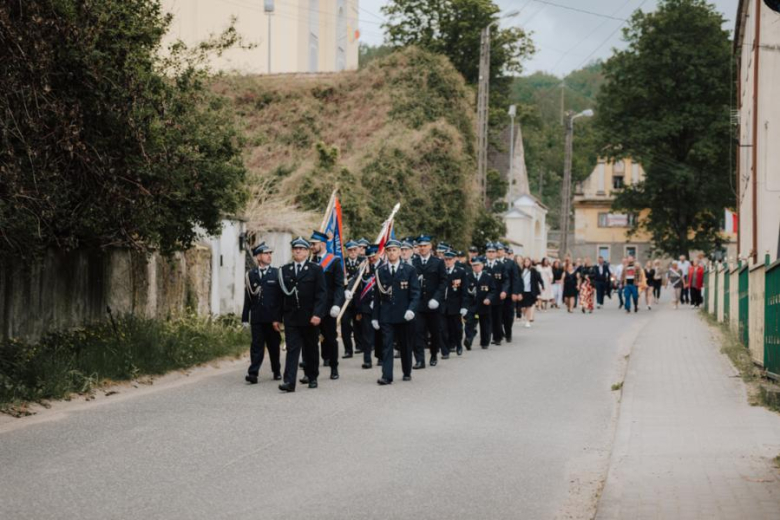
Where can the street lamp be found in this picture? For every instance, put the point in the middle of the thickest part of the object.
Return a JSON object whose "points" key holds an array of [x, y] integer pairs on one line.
{"points": [[268, 7], [483, 101], [512, 113], [566, 191]]}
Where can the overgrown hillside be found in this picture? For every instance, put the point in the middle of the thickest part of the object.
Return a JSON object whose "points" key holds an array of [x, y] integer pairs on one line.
{"points": [[401, 129]]}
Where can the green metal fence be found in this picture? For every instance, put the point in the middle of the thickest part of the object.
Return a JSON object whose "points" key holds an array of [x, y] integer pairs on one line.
{"points": [[744, 298], [726, 294], [705, 288], [772, 319], [715, 296]]}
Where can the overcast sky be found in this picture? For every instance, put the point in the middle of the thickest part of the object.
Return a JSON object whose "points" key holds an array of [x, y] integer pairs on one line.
{"points": [[565, 40]]}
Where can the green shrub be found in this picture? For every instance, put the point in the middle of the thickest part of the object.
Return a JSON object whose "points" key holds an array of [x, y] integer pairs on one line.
{"points": [[77, 360]]}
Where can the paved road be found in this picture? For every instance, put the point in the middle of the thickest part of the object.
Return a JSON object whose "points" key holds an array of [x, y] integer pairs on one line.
{"points": [[517, 431]]}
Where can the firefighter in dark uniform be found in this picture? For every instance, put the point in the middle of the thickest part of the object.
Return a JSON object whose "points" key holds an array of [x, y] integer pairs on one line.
{"points": [[304, 305], [454, 308], [407, 251], [497, 270], [334, 281], [432, 276], [263, 313], [512, 273], [348, 325], [363, 300], [482, 295], [396, 297]]}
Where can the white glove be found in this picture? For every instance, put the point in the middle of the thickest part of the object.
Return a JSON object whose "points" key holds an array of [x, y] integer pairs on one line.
{"points": [[371, 305], [375, 324], [348, 294], [433, 305], [409, 315], [334, 311], [463, 312], [245, 324]]}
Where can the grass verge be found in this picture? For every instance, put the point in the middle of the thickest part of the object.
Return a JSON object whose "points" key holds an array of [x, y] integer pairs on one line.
{"points": [[761, 391], [80, 360]]}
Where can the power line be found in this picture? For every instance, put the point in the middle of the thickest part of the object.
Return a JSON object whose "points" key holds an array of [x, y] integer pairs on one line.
{"points": [[578, 10]]}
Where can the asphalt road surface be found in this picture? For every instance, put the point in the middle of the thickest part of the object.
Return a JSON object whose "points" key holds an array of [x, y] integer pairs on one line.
{"points": [[517, 431]]}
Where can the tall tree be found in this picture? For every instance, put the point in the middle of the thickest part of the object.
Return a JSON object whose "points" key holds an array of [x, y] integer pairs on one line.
{"points": [[453, 28], [666, 103], [103, 141]]}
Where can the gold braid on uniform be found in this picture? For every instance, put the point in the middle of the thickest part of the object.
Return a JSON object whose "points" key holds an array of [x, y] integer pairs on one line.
{"points": [[252, 292], [382, 289]]}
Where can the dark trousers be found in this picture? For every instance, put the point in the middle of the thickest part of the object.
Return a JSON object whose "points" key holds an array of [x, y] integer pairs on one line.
{"points": [[497, 320], [601, 290], [301, 340], [453, 331], [696, 298], [508, 317], [349, 327], [264, 336], [685, 295], [428, 323], [620, 296], [392, 334], [485, 326], [657, 291], [330, 341], [365, 337]]}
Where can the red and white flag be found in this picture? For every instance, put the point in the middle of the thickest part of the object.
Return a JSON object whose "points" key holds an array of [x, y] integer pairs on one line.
{"points": [[731, 223]]}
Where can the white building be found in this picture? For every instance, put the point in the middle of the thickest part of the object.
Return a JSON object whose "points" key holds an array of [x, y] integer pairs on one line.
{"points": [[305, 35], [757, 48], [526, 216]]}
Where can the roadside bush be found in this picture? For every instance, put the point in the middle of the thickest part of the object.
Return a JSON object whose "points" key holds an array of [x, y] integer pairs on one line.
{"points": [[77, 361]]}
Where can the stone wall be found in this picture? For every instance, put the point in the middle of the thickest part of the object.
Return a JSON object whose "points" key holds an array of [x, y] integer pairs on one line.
{"points": [[66, 290]]}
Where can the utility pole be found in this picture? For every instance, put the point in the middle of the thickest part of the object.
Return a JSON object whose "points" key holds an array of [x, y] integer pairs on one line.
{"points": [[566, 188], [269, 9], [482, 110], [510, 176]]}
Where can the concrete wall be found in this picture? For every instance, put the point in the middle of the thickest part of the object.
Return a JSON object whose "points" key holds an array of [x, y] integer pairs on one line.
{"points": [[767, 167], [299, 29], [66, 290]]}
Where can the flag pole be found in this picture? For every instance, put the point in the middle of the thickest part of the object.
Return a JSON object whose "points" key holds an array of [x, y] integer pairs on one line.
{"points": [[331, 203], [364, 265]]}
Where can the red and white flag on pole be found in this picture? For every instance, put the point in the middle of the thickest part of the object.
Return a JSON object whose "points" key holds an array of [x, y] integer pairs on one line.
{"points": [[731, 222]]}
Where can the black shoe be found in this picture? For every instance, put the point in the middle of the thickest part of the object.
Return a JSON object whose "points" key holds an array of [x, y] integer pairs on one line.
{"points": [[287, 387], [347, 355], [334, 373], [326, 362], [304, 380], [460, 350], [445, 356], [277, 377], [251, 379], [366, 365], [508, 339], [407, 378], [636, 309], [467, 343], [313, 384], [419, 366], [485, 346], [382, 382], [433, 362]]}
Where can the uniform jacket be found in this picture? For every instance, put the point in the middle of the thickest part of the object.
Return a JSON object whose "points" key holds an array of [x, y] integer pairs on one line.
{"points": [[352, 266], [308, 293], [512, 272], [432, 281], [498, 272], [403, 293], [334, 281], [454, 291], [601, 273], [478, 291], [265, 305]]}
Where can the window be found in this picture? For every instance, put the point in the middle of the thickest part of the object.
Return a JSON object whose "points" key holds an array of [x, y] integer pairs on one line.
{"points": [[616, 220], [630, 251], [618, 181], [603, 252]]}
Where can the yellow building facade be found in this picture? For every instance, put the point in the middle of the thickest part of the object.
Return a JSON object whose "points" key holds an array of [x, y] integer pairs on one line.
{"points": [[280, 36], [598, 230]]}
